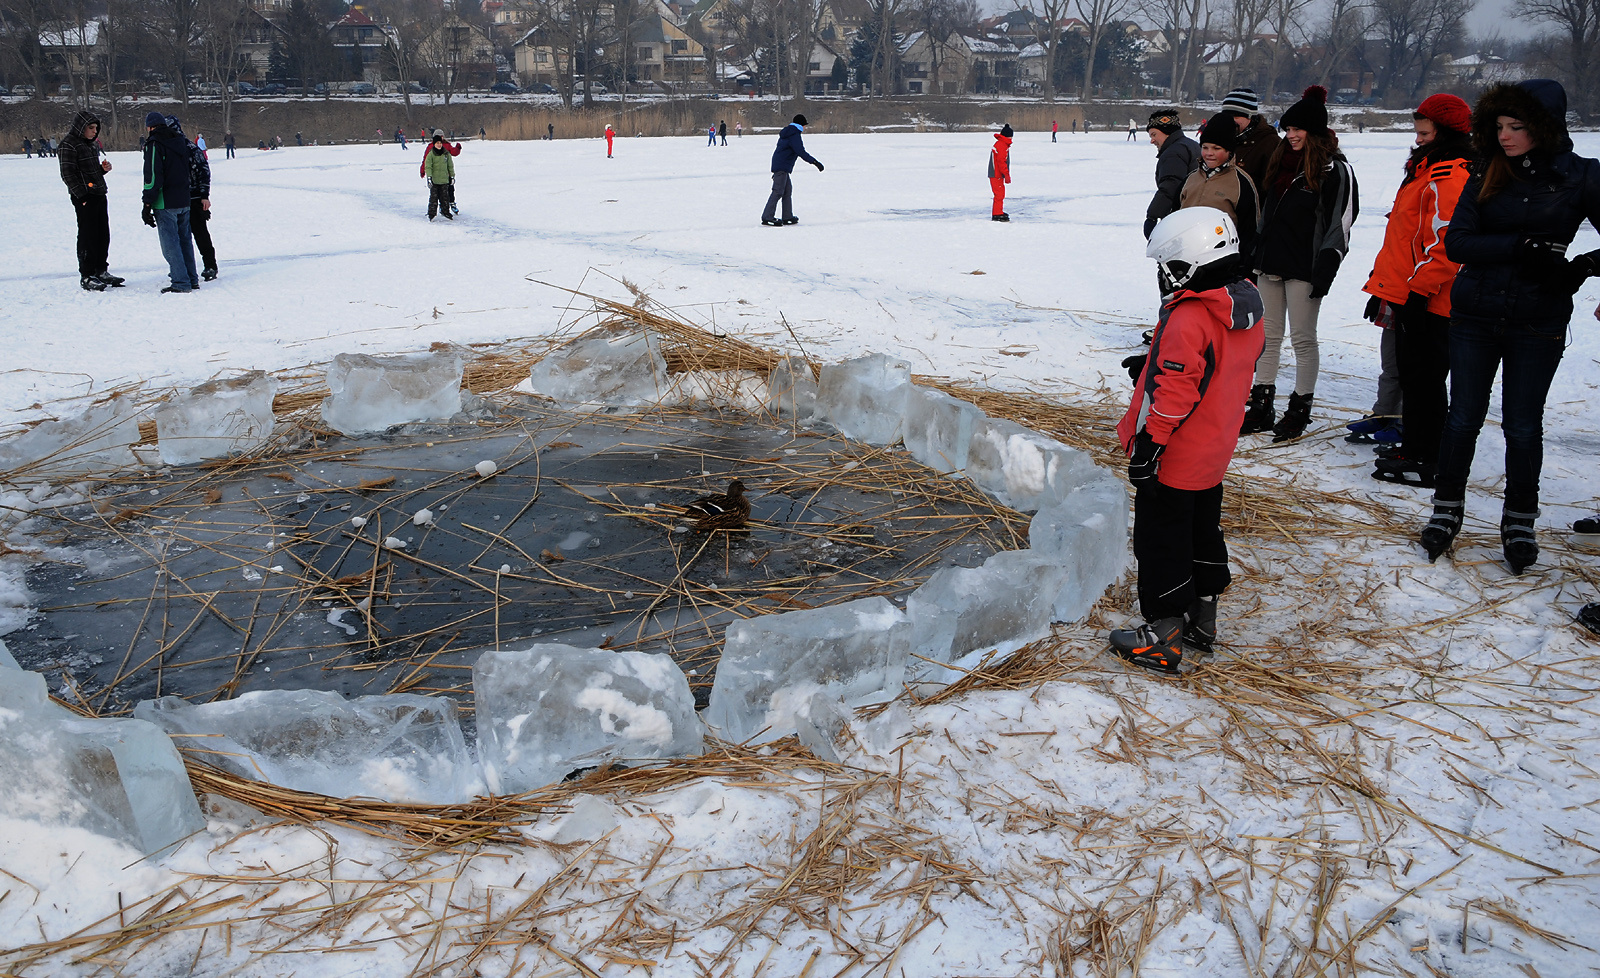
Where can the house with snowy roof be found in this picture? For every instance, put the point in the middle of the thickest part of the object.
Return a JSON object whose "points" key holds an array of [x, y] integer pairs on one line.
{"points": [[958, 64]]}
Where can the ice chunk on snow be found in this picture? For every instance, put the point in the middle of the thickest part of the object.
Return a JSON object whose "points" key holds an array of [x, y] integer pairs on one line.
{"points": [[400, 748], [217, 419], [1088, 533], [865, 398], [938, 428], [118, 778], [422, 517], [376, 393], [616, 367], [7, 661], [820, 725], [99, 438], [547, 710], [486, 468], [792, 389], [771, 665], [1022, 468], [1010, 599], [589, 819]]}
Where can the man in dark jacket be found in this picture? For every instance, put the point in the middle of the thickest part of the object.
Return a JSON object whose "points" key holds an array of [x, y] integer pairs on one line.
{"points": [[200, 209], [1257, 138], [789, 148], [1176, 157], [83, 171], [166, 198]]}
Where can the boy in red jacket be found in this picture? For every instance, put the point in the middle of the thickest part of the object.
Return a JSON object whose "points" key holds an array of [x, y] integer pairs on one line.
{"points": [[1000, 172], [1181, 430]]}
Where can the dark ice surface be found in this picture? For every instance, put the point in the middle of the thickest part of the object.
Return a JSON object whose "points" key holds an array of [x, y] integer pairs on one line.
{"points": [[211, 582]]}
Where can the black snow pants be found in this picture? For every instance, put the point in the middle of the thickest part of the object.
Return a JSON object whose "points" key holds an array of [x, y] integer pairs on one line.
{"points": [[94, 234], [439, 197], [1177, 541], [1423, 349], [200, 230]]}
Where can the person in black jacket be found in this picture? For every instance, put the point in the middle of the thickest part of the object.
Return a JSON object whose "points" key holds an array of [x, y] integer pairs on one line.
{"points": [[1177, 156], [200, 210], [1512, 299], [1310, 203], [790, 148], [84, 173], [166, 198]]}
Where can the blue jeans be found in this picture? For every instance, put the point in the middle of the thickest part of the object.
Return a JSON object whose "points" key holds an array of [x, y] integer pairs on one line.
{"points": [[177, 247], [1530, 354]]}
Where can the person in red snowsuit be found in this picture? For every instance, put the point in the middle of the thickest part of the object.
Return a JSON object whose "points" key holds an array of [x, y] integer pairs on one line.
{"points": [[1000, 172], [610, 135], [1181, 430]]}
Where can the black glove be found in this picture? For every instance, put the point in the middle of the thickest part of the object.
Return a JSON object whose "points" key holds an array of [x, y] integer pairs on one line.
{"points": [[1323, 269], [1374, 306], [1543, 255], [819, 166], [1413, 312], [1145, 460], [1134, 365], [148, 215], [1580, 270]]}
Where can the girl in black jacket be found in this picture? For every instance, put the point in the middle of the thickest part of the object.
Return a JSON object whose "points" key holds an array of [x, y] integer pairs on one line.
{"points": [[1512, 299], [1311, 202]]}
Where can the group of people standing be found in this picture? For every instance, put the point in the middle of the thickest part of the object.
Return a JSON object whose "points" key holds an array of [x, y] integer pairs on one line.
{"points": [[1472, 281], [176, 197]]}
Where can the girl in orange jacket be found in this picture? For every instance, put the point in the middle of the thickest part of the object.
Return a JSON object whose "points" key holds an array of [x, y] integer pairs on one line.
{"points": [[1410, 289], [1000, 172]]}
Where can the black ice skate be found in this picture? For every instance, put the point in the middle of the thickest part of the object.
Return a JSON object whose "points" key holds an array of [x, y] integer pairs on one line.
{"points": [[1200, 626], [1517, 541], [1441, 530]]}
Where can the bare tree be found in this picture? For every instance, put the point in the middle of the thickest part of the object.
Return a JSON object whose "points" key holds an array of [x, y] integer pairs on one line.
{"points": [[1045, 23], [224, 23], [24, 21], [1576, 23], [1348, 24], [1244, 20], [939, 19], [1184, 24], [1284, 18], [1099, 17]]}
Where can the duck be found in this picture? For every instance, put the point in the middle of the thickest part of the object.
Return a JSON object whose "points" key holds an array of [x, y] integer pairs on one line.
{"points": [[722, 511]]}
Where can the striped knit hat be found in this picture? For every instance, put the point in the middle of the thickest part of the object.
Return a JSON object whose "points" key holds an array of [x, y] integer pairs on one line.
{"points": [[1242, 101]]}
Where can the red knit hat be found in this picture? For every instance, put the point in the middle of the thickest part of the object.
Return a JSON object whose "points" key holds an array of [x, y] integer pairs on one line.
{"points": [[1448, 111]]}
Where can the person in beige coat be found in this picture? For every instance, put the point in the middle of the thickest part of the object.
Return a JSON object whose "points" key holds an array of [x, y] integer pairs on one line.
{"points": [[1220, 183]]}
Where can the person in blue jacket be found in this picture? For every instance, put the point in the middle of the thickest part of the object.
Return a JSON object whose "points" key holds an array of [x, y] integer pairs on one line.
{"points": [[789, 147], [1512, 300], [166, 198]]}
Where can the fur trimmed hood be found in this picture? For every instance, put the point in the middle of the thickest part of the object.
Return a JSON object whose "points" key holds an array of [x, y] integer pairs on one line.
{"points": [[1541, 103]]}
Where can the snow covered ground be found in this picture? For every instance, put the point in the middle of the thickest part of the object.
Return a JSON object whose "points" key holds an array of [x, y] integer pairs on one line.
{"points": [[1391, 768]]}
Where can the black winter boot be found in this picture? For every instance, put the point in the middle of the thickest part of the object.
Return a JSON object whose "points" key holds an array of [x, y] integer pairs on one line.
{"points": [[1294, 420], [1200, 625], [1517, 540], [1260, 414], [1158, 645], [1441, 530]]}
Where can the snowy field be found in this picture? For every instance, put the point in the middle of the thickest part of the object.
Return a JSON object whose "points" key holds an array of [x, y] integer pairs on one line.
{"points": [[1391, 768]]}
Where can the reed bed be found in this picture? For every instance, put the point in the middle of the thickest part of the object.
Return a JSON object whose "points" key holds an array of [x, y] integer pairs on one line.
{"points": [[1316, 688]]}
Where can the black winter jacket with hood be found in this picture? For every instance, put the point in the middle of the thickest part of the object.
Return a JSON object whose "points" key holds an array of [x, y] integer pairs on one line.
{"points": [[1305, 233], [80, 160], [1552, 191], [199, 174], [166, 169]]}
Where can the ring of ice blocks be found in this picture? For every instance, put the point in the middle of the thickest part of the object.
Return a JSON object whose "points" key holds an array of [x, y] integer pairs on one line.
{"points": [[546, 710]]}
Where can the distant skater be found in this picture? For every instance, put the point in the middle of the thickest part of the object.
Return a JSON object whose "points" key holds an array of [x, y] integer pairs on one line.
{"points": [[790, 148], [738, 128], [550, 131], [1000, 172], [400, 137], [1054, 127], [228, 143], [711, 135], [610, 136], [1133, 131], [722, 131]]}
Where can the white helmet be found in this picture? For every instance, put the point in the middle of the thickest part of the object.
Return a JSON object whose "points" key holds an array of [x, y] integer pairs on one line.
{"points": [[1188, 239]]}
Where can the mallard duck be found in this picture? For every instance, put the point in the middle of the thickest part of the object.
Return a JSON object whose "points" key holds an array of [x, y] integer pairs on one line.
{"points": [[722, 511]]}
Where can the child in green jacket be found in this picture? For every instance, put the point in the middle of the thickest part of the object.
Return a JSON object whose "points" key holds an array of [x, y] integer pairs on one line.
{"points": [[439, 167]]}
